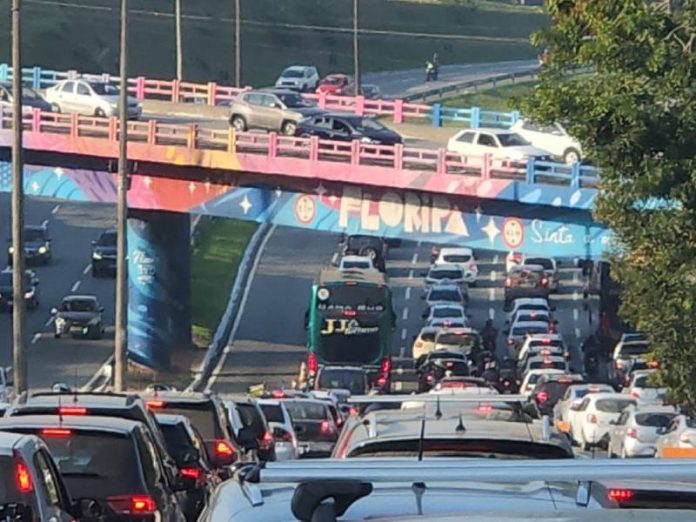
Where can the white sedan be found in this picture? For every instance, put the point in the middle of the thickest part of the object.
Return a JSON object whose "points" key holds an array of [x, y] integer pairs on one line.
{"points": [[461, 257], [444, 311], [499, 143], [553, 138], [590, 420]]}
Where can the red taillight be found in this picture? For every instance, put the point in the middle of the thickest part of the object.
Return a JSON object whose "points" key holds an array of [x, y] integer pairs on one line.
{"points": [[632, 432], [635, 394], [278, 394], [429, 378], [385, 367], [591, 418], [135, 505], [353, 411], [223, 448], [544, 281], [546, 341], [508, 281], [485, 408], [326, 428], [542, 396], [55, 432], [350, 313], [24, 483], [266, 441], [154, 405], [190, 473], [312, 364], [620, 495], [71, 410], [545, 352]]}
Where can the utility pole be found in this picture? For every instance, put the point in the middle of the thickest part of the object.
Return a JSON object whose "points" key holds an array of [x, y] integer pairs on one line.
{"points": [[237, 43], [356, 48], [18, 308], [179, 52], [121, 341]]}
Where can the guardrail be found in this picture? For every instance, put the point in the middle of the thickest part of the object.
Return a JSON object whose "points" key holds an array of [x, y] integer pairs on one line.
{"points": [[212, 94], [397, 157]]}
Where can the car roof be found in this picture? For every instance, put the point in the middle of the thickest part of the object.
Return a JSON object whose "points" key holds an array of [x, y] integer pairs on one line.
{"points": [[343, 368], [518, 301], [43, 398], [298, 67], [541, 337], [609, 395], [490, 130], [353, 257], [553, 358], [9, 441], [446, 304], [87, 422], [456, 250], [458, 330], [542, 371], [526, 268], [177, 396], [445, 286], [526, 324], [334, 275]]}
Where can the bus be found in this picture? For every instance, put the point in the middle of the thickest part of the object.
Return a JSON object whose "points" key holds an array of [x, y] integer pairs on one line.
{"points": [[350, 322]]}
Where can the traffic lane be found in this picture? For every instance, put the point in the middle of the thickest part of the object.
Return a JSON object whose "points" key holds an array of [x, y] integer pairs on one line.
{"points": [[270, 342]]}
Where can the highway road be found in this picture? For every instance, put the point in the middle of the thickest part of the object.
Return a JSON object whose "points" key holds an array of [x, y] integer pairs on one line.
{"points": [[72, 227], [270, 341]]}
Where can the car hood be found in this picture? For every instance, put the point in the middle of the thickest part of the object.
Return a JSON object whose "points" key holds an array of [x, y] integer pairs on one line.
{"points": [[34, 244], [77, 316]]}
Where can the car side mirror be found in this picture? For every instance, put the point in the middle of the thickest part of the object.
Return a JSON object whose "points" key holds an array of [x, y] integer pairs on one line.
{"points": [[87, 509], [54, 310]]}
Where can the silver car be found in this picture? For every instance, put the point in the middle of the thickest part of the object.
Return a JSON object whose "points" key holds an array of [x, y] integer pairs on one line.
{"points": [[272, 110], [89, 98], [635, 432]]}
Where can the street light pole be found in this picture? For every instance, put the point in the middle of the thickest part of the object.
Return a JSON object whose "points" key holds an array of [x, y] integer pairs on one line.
{"points": [[121, 341], [179, 52], [237, 43], [18, 308], [356, 48]]}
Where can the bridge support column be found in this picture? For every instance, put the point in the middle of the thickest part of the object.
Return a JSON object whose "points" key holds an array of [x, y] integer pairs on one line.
{"points": [[159, 286]]}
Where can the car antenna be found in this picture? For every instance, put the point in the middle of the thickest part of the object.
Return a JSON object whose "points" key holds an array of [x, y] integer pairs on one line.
{"points": [[421, 439], [460, 426], [75, 387], [60, 410], [438, 411]]}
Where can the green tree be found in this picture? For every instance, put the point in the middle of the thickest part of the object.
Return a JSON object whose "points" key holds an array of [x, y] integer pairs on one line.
{"points": [[635, 116]]}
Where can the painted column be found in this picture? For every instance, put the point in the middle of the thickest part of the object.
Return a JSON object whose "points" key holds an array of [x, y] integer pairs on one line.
{"points": [[159, 286]]}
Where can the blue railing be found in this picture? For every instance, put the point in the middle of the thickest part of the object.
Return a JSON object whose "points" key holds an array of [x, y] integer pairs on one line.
{"points": [[474, 117]]}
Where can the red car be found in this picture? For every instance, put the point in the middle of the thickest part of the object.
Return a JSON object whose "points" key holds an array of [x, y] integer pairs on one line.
{"points": [[336, 84]]}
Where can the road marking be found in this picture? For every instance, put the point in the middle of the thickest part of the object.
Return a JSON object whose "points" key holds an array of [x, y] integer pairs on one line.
{"points": [[398, 385], [410, 274], [55, 209], [576, 296], [240, 312], [49, 322], [414, 259], [495, 259], [75, 286], [403, 334], [491, 294], [494, 275], [576, 314], [36, 338], [44, 223], [577, 333], [86, 269], [404, 316], [408, 292], [576, 277], [491, 313], [402, 351]]}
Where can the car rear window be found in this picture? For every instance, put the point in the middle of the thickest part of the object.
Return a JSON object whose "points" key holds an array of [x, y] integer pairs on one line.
{"points": [[428, 336], [523, 330], [307, 410], [644, 381], [252, 418], [447, 311], [202, 415], [273, 413], [654, 420], [177, 440], [612, 405], [541, 261], [446, 274], [95, 464], [464, 340], [444, 295], [553, 365], [635, 348], [355, 381], [452, 258]]}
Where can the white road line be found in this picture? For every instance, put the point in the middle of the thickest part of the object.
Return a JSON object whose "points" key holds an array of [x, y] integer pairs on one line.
{"points": [[86, 269], [49, 322], [494, 275], [36, 338], [576, 296], [404, 316], [403, 334], [55, 209], [410, 274], [238, 319], [75, 286], [576, 314], [491, 313], [491, 294], [44, 223], [576, 277], [414, 259], [577, 333], [495, 259], [408, 292], [402, 351]]}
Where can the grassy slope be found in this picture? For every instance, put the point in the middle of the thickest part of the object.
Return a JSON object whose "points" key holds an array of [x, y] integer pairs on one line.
{"points": [[65, 37], [497, 99]]}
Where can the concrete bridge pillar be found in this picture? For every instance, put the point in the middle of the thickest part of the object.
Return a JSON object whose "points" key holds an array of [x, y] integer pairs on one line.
{"points": [[159, 286]]}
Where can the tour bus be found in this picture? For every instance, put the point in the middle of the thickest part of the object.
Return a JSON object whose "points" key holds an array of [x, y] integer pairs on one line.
{"points": [[350, 322]]}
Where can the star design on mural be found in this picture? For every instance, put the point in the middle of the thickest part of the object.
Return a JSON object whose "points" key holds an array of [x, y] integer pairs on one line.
{"points": [[192, 187], [491, 230], [58, 171], [147, 181], [278, 192], [478, 213], [35, 187], [333, 198], [245, 204], [321, 190]]}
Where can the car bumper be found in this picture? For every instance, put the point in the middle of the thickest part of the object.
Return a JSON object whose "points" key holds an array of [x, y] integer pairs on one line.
{"points": [[34, 256], [75, 329], [594, 434], [315, 449], [104, 264], [634, 448], [285, 451]]}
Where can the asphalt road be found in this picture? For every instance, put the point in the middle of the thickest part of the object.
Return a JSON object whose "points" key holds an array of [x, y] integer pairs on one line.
{"points": [[72, 227], [270, 341]]}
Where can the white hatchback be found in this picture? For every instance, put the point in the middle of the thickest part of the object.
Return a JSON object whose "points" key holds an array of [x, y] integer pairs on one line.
{"points": [[461, 257], [553, 138], [590, 420], [500, 144]]}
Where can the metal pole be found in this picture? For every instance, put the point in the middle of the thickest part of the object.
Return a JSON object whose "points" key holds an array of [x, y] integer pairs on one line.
{"points": [[179, 52], [356, 48], [237, 43], [18, 309], [121, 341]]}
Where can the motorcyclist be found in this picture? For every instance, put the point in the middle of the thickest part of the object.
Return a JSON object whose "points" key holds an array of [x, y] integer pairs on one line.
{"points": [[490, 372], [490, 335], [430, 73], [591, 350]]}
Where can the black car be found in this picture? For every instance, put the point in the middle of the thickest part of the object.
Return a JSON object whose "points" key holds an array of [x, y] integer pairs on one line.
{"points": [[30, 98], [348, 127], [525, 281], [31, 289], [253, 421], [104, 254], [110, 460], [37, 246], [78, 315], [371, 246], [550, 388]]}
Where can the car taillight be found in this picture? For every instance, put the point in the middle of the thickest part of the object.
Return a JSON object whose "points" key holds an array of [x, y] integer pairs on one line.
{"points": [[266, 441], [591, 418], [326, 428], [542, 397], [223, 448], [635, 394], [544, 281], [24, 482], [190, 473], [484, 408], [71, 410], [350, 313], [620, 495], [385, 367], [312, 364], [508, 281], [632, 432], [55, 432], [278, 394], [132, 505], [429, 378], [154, 405]]}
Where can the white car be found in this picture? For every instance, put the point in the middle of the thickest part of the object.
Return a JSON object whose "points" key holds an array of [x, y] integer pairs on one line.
{"points": [[461, 257], [501, 144], [89, 98], [532, 377], [356, 263], [629, 347], [517, 334], [424, 342], [446, 293], [636, 430], [540, 304], [444, 311], [449, 322], [544, 362], [280, 423], [680, 435], [643, 390], [463, 340], [530, 316], [440, 274], [303, 78], [589, 421], [513, 259], [573, 396], [553, 138]]}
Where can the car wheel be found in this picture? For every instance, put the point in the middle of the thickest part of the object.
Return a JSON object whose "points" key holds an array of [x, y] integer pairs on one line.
{"points": [[56, 108], [56, 335], [99, 113], [571, 156], [289, 128], [238, 123]]}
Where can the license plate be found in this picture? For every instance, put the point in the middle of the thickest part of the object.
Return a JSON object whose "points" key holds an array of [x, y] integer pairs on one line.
{"points": [[304, 448]]}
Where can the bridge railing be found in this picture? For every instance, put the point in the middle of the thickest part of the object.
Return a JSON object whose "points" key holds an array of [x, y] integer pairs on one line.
{"points": [[272, 146], [212, 94]]}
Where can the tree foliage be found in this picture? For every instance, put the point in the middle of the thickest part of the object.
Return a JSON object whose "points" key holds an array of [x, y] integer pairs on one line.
{"points": [[635, 116]]}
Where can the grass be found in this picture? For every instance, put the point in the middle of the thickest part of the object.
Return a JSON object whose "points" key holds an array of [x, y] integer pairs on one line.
{"points": [[275, 33], [496, 99], [220, 245]]}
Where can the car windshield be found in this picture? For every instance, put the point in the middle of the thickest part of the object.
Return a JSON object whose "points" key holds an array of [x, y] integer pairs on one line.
{"points": [[333, 80], [456, 258], [293, 73], [447, 311], [107, 240], [104, 89], [445, 274], [291, 100], [463, 340], [541, 261], [307, 410], [368, 124], [458, 447], [450, 294], [34, 234], [512, 140], [353, 380], [654, 420], [362, 265], [635, 348], [79, 305], [613, 405], [273, 413]]}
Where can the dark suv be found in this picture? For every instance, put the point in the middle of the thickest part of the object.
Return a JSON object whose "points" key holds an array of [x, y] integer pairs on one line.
{"points": [[550, 388], [37, 246], [254, 422], [526, 281], [104, 254], [371, 246], [111, 460]]}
